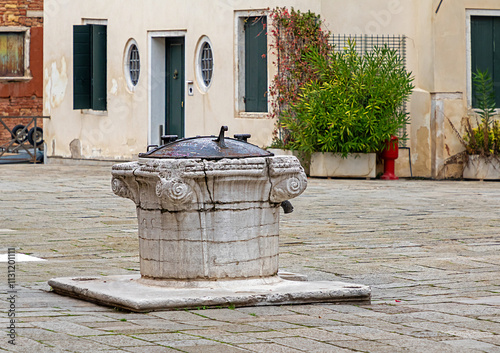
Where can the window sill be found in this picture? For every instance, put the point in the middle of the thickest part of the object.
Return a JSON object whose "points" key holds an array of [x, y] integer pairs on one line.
{"points": [[249, 115], [94, 112], [474, 111], [8, 79]]}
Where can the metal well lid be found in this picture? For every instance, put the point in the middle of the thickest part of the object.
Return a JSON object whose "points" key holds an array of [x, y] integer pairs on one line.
{"points": [[207, 147]]}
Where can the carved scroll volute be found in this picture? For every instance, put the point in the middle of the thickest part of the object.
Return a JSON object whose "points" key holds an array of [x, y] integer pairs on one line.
{"points": [[174, 191], [123, 181], [123, 189], [287, 178], [289, 187]]}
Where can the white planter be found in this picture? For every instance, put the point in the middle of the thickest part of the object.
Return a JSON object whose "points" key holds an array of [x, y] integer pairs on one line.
{"points": [[358, 165], [295, 153], [481, 168], [280, 152]]}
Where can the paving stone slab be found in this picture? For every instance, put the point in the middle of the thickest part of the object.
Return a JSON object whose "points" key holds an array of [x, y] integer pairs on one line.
{"points": [[425, 345], [269, 348], [318, 334], [473, 344], [212, 349], [150, 349], [119, 341], [305, 344]]}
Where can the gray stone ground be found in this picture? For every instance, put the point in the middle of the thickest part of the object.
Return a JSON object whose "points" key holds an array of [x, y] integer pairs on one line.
{"points": [[429, 249]]}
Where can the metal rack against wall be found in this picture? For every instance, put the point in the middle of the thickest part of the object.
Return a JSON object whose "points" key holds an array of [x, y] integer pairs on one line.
{"points": [[367, 42], [15, 146]]}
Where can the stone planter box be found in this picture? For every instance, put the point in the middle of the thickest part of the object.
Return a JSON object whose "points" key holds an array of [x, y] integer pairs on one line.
{"points": [[358, 165], [481, 168]]}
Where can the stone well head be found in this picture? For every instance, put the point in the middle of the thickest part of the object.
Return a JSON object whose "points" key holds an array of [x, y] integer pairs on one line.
{"points": [[208, 207]]}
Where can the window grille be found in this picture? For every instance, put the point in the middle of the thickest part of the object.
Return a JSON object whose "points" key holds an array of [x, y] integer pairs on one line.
{"points": [[207, 64], [134, 64], [366, 43]]}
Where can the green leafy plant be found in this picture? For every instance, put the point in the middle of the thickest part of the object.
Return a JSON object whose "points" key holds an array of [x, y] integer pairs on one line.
{"points": [[484, 138], [354, 105]]}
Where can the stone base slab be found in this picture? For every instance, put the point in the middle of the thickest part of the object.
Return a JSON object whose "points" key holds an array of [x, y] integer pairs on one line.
{"points": [[132, 293]]}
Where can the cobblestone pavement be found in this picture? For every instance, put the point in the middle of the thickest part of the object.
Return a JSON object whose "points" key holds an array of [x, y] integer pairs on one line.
{"points": [[430, 250]]}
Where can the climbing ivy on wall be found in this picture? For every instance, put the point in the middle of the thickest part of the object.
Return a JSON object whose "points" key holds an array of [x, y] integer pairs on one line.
{"points": [[294, 34]]}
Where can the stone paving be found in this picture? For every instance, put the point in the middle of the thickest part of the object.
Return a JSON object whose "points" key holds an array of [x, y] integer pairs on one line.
{"points": [[430, 250]]}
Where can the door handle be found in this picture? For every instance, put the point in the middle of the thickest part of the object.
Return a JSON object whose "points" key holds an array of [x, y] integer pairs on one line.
{"points": [[176, 75]]}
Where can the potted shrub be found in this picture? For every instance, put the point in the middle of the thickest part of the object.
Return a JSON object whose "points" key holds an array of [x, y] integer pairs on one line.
{"points": [[482, 142], [351, 109]]}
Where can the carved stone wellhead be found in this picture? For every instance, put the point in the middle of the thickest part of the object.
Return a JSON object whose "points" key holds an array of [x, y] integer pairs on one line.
{"points": [[208, 212], [202, 219]]}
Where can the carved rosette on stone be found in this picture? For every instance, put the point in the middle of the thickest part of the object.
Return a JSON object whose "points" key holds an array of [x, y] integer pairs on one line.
{"points": [[209, 219]]}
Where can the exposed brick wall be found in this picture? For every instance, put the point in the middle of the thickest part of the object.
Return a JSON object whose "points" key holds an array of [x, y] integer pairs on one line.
{"points": [[15, 13], [23, 97]]}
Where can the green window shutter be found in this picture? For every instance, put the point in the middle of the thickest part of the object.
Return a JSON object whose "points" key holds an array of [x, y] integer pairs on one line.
{"points": [[496, 59], [485, 50], [99, 64], [256, 64], [82, 72]]}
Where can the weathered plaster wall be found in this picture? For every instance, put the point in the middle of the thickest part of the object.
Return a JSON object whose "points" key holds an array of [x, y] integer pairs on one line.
{"points": [[451, 74], [437, 57], [122, 131], [23, 97]]}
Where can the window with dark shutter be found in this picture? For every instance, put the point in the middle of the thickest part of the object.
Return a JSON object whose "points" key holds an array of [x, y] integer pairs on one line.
{"points": [[255, 64], [485, 50], [82, 72], [89, 67]]}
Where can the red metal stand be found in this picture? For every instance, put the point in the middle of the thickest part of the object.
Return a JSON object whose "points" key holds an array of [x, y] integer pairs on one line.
{"points": [[389, 155]]}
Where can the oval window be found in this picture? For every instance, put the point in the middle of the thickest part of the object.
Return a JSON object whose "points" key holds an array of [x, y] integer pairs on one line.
{"points": [[205, 64], [132, 64]]}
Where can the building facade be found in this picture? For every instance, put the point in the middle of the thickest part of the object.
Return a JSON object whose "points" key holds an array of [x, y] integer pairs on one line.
{"points": [[121, 74], [21, 61]]}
